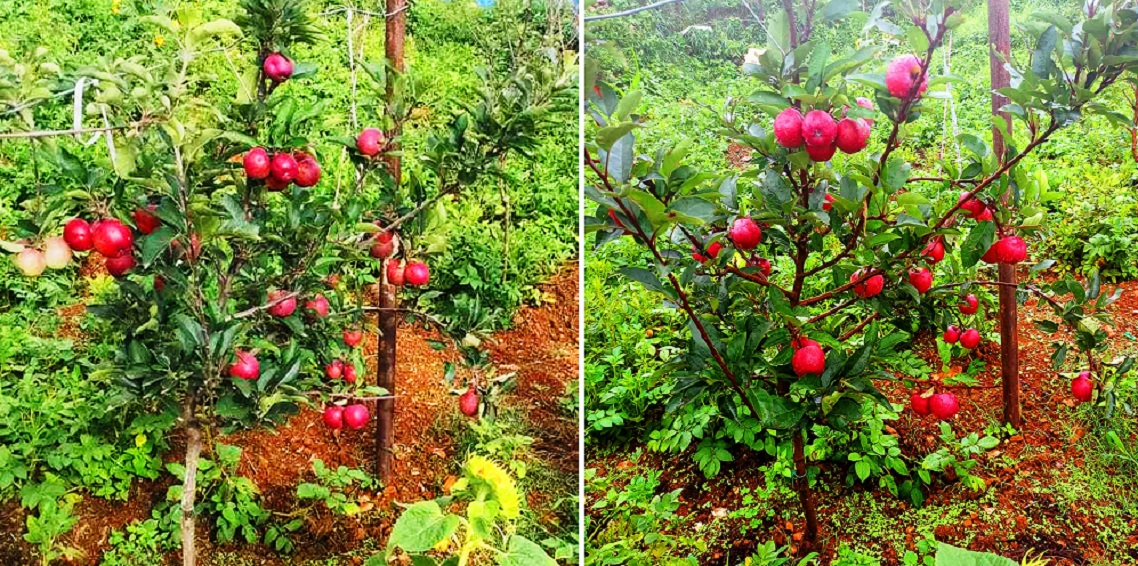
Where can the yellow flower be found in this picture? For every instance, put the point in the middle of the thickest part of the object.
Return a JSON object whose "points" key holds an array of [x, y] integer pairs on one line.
{"points": [[481, 470], [140, 440], [116, 5], [159, 40]]}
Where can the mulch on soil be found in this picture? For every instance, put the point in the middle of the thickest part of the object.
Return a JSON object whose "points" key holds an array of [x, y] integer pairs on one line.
{"points": [[1020, 473], [277, 460]]}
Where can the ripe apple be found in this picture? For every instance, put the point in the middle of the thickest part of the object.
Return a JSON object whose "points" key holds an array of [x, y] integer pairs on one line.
{"points": [[145, 220], [921, 278], [952, 334], [277, 67], [712, 250], [821, 153], [319, 305], [920, 404], [77, 234], [819, 129], [1011, 249], [809, 359], [468, 402], [828, 202], [350, 373], [333, 417], [384, 246], [353, 337], [970, 338], [763, 264], [111, 237], [745, 234], [356, 416], [788, 128], [853, 135], [283, 168], [283, 308], [121, 264], [902, 75], [416, 273], [369, 141], [256, 163], [334, 370], [802, 342], [944, 405], [395, 272], [1082, 388], [972, 205], [159, 283], [307, 172], [56, 252], [868, 287], [31, 262], [970, 304], [246, 366], [934, 251]]}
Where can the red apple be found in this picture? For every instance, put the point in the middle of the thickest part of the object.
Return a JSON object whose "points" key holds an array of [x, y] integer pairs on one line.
{"points": [[334, 417], [356, 416], [970, 338], [277, 67], [246, 366], [934, 251], [77, 234], [350, 373], [809, 359], [468, 402], [369, 141], [145, 220], [1082, 388], [920, 404], [111, 237], [395, 272], [334, 370], [745, 234], [384, 245], [353, 337], [120, 265], [944, 405], [712, 250], [970, 304], [256, 163], [417, 273], [283, 168], [952, 334], [922, 279], [283, 307], [307, 172], [868, 287]]}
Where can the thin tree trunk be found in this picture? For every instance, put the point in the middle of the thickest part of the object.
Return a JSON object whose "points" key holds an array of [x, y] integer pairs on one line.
{"points": [[999, 34], [393, 48], [189, 482], [385, 378], [805, 494]]}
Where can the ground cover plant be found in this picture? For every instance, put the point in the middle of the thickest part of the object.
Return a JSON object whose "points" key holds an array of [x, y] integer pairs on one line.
{"points": [[208, 263], [817, 280]]}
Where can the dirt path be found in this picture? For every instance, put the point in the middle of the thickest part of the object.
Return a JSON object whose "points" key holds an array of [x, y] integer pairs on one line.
{"points": [[1037, 496], [542, 348]]}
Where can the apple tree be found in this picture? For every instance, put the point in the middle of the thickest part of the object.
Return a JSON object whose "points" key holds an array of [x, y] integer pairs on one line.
{"points": [[799, 275]]}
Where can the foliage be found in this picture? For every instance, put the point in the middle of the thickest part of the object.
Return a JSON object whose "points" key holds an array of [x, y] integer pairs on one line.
{"points": [[144, 543], [492, 505], [333, 488], [734, 383]]}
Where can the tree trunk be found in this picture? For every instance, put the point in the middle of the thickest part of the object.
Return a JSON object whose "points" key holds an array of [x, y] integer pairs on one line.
{"points": [[805, 494], [999, 35], [385, 378], [189, 482]]}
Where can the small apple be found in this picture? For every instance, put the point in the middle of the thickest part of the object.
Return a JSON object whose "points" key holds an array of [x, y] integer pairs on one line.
{"points": [[920, 404], [384, 245], [246, 366], [944, 405], [922, 279], [277, 67], [356, 416], [350, 373], [745, 234], [256, 163], [334, 370], [970, 338], [468, 402], [370, 141], [869, 287], [809, 359], [111, 237], [283, 168], [121, 264], [281, 307], [763, 264], [307, 172], [318, 305], [934, 251], [77, 234], [145, 220], [417, 273], [712, 250], [969, 305], [56, 252], [333, 417], [395, 272], [353, 337], [952, 334], [31, 262]]}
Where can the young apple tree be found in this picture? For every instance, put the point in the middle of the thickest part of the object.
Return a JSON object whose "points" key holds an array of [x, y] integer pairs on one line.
{"points": [[797, 275]]}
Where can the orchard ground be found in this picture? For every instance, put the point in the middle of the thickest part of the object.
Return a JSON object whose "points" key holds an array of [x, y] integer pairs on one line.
{"points": [[541, 347]]}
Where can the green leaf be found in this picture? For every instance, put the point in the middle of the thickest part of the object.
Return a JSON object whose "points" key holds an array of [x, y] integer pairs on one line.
{"points": [[421, 527], [642, 276], [524, 552], [607, 137], [627, 105], [917, 39], [948, 555], [977, 243], [156, 243]]}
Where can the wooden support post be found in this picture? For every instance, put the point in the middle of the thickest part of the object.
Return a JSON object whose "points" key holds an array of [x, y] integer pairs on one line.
{"points": [[999, 33], [385, 378]]}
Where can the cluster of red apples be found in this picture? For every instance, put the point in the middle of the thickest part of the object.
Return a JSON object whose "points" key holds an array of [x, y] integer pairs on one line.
{"points": [[108, 236]]}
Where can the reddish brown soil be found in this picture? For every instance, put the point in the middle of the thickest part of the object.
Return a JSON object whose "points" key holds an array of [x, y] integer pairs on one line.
{"points": [[1026, 515], [277, 460]]}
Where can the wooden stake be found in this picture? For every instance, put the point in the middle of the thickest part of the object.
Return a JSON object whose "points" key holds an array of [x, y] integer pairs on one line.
{"points": [[385, 378]]}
